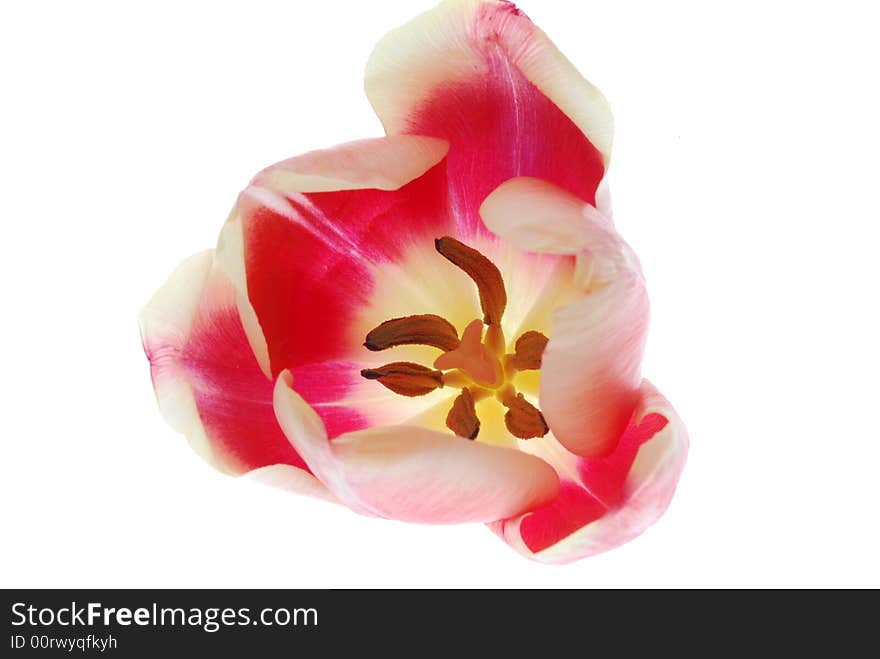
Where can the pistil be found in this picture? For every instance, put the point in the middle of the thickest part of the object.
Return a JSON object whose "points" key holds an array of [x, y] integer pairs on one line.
{"points": [[474, 358]]}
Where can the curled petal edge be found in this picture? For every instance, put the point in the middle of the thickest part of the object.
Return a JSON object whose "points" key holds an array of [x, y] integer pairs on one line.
{"points": [[413, 474], [647, 492], [592, 364], [196, 290]]}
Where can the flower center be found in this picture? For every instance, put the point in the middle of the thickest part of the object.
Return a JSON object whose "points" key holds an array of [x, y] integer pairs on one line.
{"points": [[477, 363]]}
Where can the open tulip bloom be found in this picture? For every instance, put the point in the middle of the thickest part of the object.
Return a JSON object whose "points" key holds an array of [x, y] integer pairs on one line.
{"points": [[441, 325]]}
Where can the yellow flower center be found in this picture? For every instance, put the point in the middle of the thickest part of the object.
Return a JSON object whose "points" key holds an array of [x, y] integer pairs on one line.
{"points": [[476, 363]]}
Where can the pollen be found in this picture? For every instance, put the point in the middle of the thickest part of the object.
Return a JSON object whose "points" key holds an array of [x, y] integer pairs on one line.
{"points": [[477, 363]]}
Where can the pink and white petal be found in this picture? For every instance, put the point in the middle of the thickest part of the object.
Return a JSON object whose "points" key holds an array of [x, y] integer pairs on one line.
{"points": [[229, 257], [386, 163], [291, 479], [536, 216], [479, 74], [607, 502], [592, 365], [208, 382], [165, 324], [412, 474], [309, 257], [603, 200]]}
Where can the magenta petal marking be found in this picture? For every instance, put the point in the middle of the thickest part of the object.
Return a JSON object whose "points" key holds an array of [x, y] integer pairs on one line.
{"points": [[500, 126], [308, 257]]}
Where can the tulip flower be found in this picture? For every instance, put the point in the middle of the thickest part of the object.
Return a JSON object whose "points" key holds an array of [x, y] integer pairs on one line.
{"points": [[441, 325]]}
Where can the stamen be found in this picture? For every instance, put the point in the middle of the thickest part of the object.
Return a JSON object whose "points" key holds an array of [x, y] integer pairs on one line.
{"points": [[425, 329], [523, 419], [487, 277], [406, 378], [529, 351], [462, 418]]}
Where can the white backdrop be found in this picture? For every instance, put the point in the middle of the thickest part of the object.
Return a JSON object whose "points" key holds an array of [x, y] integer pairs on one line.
{"points": [[745, 175]]}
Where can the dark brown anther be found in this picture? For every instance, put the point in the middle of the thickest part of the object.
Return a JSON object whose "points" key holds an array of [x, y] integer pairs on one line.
{"points": [[426, 329], [406, 378], [487, 277], [462, 418], [529, 350], [523, 419]]}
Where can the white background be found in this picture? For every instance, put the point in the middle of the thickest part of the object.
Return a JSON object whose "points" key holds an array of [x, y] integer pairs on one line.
{"points": [[745, 175]]}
